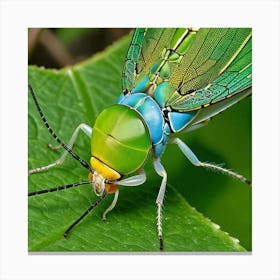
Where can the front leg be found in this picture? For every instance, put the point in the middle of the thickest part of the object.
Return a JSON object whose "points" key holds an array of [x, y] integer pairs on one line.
{"points": [[161, 172], [81, 127]]}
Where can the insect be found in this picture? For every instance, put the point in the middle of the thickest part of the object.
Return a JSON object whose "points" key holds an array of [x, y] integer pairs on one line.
{"points": [[173, 80]]}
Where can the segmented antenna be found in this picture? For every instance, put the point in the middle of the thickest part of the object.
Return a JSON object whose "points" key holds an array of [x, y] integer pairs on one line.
{"points": [[74, 155], [92, 206], [59, 188]]}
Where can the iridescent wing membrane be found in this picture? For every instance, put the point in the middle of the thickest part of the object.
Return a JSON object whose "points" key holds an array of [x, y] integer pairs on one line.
{"points": [[216, 65], [145, 50]]}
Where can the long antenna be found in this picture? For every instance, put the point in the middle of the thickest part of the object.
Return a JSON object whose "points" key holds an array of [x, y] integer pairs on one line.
{"points": [[92, 206], [74, 155], [59, 188]]}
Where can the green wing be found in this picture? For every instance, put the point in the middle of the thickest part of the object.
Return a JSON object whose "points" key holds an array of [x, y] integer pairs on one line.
{"points": [[145, 49], [214, 63], [217, 65]]}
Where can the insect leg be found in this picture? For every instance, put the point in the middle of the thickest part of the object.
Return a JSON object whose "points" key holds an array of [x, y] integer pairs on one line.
{"points": [[161, 172], [133, 180], [85, 128], [53, 134], [195, 161], [111, 207], [129, 182]]}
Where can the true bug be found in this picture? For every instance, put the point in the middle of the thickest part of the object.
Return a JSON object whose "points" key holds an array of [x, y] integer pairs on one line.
{"points": [[190, 76]]}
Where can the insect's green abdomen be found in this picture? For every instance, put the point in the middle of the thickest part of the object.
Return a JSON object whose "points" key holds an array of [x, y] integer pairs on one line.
{"points": [[120, 139]]}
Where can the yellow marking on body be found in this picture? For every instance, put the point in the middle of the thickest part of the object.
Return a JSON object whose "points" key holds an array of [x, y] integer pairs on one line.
{"points": [[104, 170]]}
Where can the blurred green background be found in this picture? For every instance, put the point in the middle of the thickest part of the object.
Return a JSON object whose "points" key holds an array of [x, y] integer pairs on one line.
{"points": [[226, 139], [60, 47]]}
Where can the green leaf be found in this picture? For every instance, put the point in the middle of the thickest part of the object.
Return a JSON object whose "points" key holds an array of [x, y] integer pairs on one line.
{"points": [[77, 95]]}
